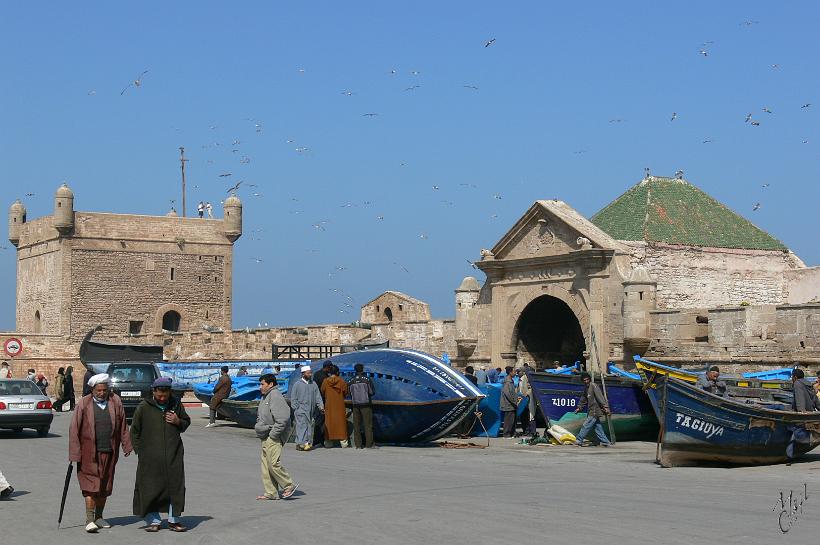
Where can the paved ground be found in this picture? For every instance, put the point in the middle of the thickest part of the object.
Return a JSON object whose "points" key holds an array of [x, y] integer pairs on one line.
{"points": [[504, 494]]}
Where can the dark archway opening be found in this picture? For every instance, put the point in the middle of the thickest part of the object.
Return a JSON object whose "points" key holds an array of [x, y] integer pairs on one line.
{"points": [[171, 320], [388, 314], [548, 331]]}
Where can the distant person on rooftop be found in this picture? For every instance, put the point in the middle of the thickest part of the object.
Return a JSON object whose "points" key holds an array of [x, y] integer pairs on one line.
{"points": [[709, 382], [200, 209], [210, 209]]}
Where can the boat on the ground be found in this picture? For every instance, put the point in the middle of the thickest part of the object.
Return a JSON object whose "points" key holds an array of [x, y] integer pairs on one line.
{"points": [[243, 388], [757, 385], [700, 428], [632, 416], [418, 397], [241, 412]]}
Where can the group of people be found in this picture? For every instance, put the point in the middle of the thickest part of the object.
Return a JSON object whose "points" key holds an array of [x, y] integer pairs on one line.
{"points": [[62, 389], [515, 392], [203, 207], [318, 404], [98, 432]]}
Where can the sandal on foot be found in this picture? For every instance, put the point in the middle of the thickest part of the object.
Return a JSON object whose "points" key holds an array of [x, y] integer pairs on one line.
{"points": [[289, 491], [177, 527], [152, 528], [263, 497]]}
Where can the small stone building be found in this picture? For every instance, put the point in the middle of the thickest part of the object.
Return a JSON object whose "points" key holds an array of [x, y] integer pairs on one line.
{"points": [[395, 306], [132, 274]]}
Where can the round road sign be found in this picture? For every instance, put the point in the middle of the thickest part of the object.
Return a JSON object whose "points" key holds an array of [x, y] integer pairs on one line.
{"points": [[13, 347]]}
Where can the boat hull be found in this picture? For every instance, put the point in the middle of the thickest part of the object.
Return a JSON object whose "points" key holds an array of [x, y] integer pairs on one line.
{"points": [[700, 428], [632, 418]]}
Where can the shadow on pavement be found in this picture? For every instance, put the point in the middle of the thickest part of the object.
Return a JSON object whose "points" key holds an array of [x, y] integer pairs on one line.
{"points": [[190, 521]]}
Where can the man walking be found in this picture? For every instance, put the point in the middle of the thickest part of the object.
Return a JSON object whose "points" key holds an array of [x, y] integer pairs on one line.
{"points": [[306, 402], [95, 436], [156, 433], [273, 428], [361, 398], [597, 408], [6, 490], [509, 403], [221, 391], [59, 390]]}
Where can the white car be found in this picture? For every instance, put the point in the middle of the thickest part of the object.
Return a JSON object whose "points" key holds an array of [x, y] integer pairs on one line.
{"points": [[23, 405]]}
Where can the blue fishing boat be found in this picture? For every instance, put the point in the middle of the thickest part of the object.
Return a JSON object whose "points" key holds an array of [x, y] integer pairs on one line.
{"points": [[700, 428], [243, 388], [418, 397], [632, 416]]}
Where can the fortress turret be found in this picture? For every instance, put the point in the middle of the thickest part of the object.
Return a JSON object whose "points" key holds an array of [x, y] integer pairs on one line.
{"points": [[467, 296], [17, 217], [233, 218], [639, 299], [64, 210]]}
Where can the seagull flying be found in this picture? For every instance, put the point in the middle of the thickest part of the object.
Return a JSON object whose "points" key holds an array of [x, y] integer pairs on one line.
{"points": [[807, 105], [756, 207], [473, 87], [768, 111], [489, 42], [748, 118], [234, 187], [136, 83], [674, 116], [369, 115]]}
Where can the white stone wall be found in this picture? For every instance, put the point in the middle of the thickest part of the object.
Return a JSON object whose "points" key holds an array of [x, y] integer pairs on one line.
{"points": [[690, 277]]}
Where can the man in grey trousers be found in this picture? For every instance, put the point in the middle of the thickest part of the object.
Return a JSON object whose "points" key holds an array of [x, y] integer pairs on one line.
{"points": [[273, 428], [597, 409]]}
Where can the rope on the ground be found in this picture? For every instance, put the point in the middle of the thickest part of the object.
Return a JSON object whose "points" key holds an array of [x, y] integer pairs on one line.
{"points": [[450, 444]]}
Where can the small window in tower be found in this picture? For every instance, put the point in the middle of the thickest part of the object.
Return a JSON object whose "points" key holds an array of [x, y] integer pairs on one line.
{"points": [[200, 278], [37, 322], [640, 295], [377, 308], [200, 258], [206, 315], [216, 279], [59, 204], [401, 307], [215, 259], [172, 273], [135, 327], [459, 304]]}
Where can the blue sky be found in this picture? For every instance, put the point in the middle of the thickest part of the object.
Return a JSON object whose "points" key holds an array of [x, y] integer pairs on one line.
{"points": [[542, 124]]}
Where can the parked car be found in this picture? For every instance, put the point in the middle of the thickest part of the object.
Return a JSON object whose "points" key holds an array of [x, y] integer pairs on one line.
{"points": [[132, 382], [23, 405]]}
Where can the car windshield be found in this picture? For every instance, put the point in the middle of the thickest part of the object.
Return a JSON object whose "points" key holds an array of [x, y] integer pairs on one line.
{"points": [[131, 374], [19, 388]]}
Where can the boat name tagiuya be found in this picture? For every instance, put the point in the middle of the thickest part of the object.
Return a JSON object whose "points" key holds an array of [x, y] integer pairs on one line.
{"points": [[707, 428]]}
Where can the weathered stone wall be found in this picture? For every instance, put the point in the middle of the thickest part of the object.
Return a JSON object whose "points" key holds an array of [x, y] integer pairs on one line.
{"points": [[45, 354], [690, 277], [434, 337], [765, 335], [803, 285], [110, 288], [42, 291], [400, 308]]}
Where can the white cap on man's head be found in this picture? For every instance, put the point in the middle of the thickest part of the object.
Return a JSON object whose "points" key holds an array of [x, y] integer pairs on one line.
{"points": [[101, 378], [304, 368]]}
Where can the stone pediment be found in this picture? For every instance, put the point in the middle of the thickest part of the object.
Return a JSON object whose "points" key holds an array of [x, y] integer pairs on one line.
{"points": [[551, 228]]}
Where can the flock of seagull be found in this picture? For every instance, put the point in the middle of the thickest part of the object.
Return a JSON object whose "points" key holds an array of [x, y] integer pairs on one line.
{"points": [[345, 300]]}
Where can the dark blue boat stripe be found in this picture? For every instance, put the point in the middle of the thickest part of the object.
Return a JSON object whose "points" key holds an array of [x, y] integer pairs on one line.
{"points": [[705, 417]]}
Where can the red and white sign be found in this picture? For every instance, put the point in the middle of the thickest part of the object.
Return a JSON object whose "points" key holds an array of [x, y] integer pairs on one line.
{"points": [[13, 347]]}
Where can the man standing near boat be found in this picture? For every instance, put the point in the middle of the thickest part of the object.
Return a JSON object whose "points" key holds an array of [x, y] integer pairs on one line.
{"points": [[156, 433], [306, 402], [96, 434], [710, 383], [525, 391], [221, 391], [597, 408], [509, 403], [361, 396], [273, 428], [334, 390], [804, 401]]}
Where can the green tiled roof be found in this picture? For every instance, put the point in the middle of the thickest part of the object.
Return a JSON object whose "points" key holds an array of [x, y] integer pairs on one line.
{"points": [[676, 212]]}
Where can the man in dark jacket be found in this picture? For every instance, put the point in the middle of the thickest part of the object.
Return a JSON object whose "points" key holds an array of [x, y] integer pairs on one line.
{"points": [[156, 435], [273, 427], [805, 401], [361, 395], [221, 391], [509, 403], [597, 409], [710, 383], [86, 388], [319, 422]]}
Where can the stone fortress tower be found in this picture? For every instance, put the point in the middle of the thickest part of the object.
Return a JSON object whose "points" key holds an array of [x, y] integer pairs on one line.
{"points": [[132, 274]]}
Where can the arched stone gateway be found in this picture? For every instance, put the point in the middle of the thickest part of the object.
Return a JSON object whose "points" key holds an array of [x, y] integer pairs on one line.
{"points": [[548, 331]]}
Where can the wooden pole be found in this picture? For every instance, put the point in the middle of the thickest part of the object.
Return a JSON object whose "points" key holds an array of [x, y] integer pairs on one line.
{"points": [[182, 161]]}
